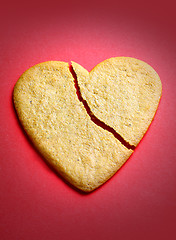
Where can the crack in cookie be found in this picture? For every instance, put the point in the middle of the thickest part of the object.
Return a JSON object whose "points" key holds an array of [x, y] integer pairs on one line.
{"points": [[97, 121]]}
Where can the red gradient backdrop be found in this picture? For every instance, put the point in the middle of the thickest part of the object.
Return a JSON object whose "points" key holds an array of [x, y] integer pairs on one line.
{"points": [[139, 202]]}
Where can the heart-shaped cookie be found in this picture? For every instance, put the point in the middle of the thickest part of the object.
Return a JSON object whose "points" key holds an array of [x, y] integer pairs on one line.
{"points": [[86, 125]]}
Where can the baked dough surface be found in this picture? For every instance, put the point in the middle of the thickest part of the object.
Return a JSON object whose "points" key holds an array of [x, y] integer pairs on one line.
{"points": [[124, 93], [56, 121]]}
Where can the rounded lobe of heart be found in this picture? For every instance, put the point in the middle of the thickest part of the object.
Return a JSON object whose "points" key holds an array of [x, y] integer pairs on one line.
{"points": [[122, 92], [57, 123]]}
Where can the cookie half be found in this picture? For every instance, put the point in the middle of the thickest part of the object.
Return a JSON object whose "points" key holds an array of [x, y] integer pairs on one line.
{"points": [[122, 92], [57, 123]]}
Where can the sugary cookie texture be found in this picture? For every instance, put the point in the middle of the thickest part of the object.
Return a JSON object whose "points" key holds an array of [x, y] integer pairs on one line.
{"points": [[122, 92]]}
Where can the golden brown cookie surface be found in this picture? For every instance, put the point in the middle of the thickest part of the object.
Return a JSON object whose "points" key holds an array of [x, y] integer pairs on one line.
{"points": [[124, 93], [58, 124]]}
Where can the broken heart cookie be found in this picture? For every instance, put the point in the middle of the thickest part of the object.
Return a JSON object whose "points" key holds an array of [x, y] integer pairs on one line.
{"points": [[86, 125]]}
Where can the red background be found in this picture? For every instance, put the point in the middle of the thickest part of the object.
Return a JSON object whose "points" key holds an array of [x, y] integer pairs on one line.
{"points": [[139, 202]]}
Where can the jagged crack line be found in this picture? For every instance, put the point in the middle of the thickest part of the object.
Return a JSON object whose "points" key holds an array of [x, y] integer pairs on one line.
{"points": [[93, 117]]}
